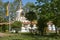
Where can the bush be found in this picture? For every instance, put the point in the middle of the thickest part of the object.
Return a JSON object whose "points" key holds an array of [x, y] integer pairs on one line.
{"points": [[4, 28], [16, 25]]}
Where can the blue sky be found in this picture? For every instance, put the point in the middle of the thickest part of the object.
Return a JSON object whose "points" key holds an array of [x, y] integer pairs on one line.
{"points": [[23, 1]]}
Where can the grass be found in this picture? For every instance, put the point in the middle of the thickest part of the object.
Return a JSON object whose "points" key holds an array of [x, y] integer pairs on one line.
{"points": [[30, 37]]}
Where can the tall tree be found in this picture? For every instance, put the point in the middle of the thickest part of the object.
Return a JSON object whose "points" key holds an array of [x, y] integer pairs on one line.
{"points": [[31, 16], [29, 6], [50, 10]]}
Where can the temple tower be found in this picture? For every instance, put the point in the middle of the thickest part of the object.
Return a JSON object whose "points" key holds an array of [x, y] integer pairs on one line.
{"points": [[20, 12]]}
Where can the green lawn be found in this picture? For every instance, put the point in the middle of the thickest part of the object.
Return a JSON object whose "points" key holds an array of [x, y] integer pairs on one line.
{"points": [[29, 37]]}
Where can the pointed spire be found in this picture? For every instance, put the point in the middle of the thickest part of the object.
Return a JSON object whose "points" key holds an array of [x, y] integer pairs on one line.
{"points": [[20, 4]]}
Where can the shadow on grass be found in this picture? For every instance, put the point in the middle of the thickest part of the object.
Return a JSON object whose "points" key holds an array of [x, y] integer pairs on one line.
{"points": [[52, 35]]}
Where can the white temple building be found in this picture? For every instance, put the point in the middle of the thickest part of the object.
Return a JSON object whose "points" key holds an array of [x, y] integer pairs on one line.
{"points": [[20, 16], [51, 27]]}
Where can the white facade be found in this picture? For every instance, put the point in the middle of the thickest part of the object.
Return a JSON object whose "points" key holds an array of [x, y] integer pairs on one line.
{"points": [[19, 17]]}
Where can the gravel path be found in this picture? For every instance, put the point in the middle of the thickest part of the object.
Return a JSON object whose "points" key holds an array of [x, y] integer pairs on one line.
{"points": [[4, 34]]}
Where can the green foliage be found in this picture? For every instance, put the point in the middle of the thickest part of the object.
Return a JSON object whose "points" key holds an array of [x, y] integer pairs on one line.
{"points": [[4, 28], [30, 6], [1, 2], [49, 11], [16, 24], [1, 19], [29, 37], [0, 28], [57, 21], [15, 5], [31, 16]]}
